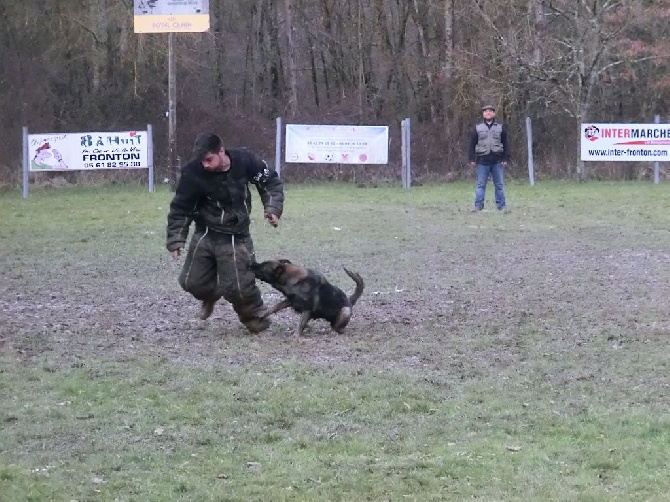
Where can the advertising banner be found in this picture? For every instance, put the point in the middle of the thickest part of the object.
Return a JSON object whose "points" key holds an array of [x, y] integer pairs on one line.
{"points": [[337, 144], [88, 150], [171, 16], [626, 142]]}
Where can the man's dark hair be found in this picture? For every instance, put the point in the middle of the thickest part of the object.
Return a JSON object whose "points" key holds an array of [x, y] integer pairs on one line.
{"points": [[206, 142]]}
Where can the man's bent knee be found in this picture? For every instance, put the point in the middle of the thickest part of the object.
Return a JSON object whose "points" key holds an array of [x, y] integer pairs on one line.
{"points": [[202, 292]]}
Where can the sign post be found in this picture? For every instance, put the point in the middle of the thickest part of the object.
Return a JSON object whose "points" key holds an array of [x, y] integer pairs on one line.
{"points": [[171, 16], [26, 162], [406, 147], [531, 165], [173, 168], [657, 167]]}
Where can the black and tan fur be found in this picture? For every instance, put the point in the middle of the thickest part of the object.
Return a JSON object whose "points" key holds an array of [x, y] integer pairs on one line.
{"points": [[309, 293]]}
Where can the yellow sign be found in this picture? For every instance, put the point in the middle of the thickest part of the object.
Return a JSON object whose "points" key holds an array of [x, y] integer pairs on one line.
{"points": [[167, 24], [171, 16]]}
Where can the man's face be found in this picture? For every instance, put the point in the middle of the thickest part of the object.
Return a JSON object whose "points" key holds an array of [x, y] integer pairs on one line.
{"points": [[216, 161], [488, 114]]}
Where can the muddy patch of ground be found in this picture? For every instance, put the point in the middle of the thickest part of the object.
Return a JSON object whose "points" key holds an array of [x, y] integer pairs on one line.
{"points": [[566, 309]]}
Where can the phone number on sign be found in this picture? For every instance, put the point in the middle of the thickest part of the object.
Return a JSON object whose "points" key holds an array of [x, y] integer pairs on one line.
{"points": [[111, 165]]}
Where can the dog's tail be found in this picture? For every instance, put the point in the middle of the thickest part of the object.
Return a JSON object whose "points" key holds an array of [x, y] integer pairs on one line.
{"points": [[359, 285]]}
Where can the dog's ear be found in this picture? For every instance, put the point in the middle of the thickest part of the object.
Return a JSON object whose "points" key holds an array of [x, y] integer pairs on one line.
{"points": [[278, 269], [284, 261]]}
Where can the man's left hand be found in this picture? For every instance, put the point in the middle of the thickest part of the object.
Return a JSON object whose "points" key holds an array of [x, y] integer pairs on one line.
{"points": [[273, 219]]}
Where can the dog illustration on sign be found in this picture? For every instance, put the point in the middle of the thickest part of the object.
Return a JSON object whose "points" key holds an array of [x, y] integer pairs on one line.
{"points": [[47, 158]]}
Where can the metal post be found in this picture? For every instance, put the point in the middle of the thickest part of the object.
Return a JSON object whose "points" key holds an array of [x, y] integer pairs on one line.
{"points": [[150, 156], [403, 154], [172, 112], [278, 147], [26, 162], [531, 167], [408, 152], [657, 166]]}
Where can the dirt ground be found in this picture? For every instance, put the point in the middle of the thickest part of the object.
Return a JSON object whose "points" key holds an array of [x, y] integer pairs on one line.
{"points": [[487, 298]]}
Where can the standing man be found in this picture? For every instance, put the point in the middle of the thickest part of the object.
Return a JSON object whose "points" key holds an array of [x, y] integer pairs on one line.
{"points": [[489, 152], [213, 192]]}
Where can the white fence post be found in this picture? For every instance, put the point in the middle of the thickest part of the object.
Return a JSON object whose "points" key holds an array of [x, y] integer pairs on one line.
{"points": [[278, 147], [150, 157], [406, 148], [529, 136], [657, 166], [26, 162]]}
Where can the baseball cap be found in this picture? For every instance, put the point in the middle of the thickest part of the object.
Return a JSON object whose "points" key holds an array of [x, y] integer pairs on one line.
{"points": [[488, 107], [206, 142]]}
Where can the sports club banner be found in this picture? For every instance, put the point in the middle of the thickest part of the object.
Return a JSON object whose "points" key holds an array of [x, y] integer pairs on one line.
{"points": [[88, 150], [625, 142], [171, 16], [337, 144]]}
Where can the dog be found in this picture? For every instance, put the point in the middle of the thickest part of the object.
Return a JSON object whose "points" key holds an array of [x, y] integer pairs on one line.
{"points": [[309, 293]]}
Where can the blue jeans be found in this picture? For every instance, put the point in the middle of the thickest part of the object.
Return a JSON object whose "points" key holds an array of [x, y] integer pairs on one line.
{"points": [[496, 172]]}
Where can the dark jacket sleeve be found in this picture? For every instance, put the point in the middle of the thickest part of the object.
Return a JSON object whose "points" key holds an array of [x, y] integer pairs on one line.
{"points": [[269, 185], [472, 143], [182, 209]]}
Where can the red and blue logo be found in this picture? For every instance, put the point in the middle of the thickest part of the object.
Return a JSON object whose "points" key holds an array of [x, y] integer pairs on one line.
{"points": [[591, 133]]}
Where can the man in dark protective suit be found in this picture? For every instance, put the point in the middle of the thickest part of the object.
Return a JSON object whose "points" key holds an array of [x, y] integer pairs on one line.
{"points": [[213, 192]]}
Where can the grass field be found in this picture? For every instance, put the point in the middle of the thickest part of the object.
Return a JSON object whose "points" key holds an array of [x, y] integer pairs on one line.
{"points": [[496, 357]]}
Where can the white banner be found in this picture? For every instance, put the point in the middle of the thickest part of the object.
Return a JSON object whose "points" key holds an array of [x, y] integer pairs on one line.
{"points": [[88, 150], [337, 144], [625, 142]]}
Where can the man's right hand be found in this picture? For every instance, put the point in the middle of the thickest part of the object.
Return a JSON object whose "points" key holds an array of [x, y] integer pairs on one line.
{"points": [[273, 219], [176, 253]]}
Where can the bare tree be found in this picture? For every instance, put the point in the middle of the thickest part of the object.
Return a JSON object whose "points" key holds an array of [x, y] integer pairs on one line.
{"points": [[421, 17], [99, 42], [566, 63], [561, 61], [540, 22], [291, 67], [448, 60]]}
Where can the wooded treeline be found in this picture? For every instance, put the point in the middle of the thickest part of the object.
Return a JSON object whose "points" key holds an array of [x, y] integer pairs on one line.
{"points": [[75, 65]]}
